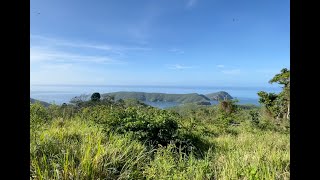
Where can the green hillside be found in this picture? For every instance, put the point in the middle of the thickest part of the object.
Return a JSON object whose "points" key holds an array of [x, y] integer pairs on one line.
{"points": [[221, 95], [41, 102], [155, 97]]}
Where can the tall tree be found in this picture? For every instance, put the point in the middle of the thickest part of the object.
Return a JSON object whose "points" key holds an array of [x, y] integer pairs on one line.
{"points": [[278, 104]]}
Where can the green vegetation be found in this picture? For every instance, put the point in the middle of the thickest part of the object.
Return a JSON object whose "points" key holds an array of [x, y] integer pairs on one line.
{"points": [[41, 102], [179, 98], [278, 105], [126, 139], [95, 96]]}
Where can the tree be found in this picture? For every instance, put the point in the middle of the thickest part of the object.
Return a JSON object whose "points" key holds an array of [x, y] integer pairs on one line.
{"points": [[283, 78], [95, 96], [284, 97], [278, 104], [227, 110], [269, 101]]}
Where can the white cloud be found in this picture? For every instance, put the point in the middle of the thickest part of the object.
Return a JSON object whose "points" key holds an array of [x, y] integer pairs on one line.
{"points": [[57, 67], [231, 71], [191, 3], [57, 42], [179, 67], [220, 66], [56, 56], [175, 50]]}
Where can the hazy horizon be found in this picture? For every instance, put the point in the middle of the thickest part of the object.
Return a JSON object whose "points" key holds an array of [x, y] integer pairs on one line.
{"points": [[267, 86], [64, 93]]}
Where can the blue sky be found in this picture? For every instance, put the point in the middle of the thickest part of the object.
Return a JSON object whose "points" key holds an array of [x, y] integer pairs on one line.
{"points": [[159, 42]]}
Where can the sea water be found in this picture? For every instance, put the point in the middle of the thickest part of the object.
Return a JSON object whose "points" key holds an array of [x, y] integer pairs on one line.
{"points": [[59, 94]]}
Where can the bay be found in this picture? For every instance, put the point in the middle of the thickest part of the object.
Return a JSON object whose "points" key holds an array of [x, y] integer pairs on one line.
{"points": [[59, 94]]}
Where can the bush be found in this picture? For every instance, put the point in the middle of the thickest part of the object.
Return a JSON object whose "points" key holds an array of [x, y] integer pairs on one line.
{"points": [[227, 113], [254, 116], [148, 124], [95, 96], [38, 115]]}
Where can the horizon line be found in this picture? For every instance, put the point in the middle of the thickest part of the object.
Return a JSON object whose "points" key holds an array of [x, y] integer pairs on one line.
{"points": [[150, 85]]}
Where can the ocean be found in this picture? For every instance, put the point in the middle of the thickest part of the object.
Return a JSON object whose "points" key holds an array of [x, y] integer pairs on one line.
{"points": [[59, 94]]}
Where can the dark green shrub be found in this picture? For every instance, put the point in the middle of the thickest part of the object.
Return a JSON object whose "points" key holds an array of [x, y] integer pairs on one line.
{"points": [[190, 142], [254, 116], [147, 124], [95, 96]]}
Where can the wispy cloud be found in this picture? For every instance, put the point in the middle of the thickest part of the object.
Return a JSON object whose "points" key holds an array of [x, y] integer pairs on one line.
{"points": [[58, 42], [191, 3], [142, 28], [56, 56], [220, 66], [179, 67], [63, 66], [177, 51], [231, 71]]}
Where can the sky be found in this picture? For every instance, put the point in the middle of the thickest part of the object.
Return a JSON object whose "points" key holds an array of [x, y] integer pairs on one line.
{"points": [[158, 42]]}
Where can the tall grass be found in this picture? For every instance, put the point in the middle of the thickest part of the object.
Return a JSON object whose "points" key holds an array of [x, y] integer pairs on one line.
{"points": [[74, 149], [80, 148], [264, 155]]}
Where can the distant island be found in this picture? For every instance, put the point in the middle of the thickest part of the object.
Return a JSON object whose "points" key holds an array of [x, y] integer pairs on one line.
{"points": [[221, 95], [163, 97]]}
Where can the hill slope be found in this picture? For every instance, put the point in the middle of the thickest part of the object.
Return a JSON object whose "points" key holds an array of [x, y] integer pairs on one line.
{"points": [[221, 95], [155, 97], [41, 102]]}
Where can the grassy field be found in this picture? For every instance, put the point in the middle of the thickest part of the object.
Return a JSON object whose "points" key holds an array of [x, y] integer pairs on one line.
{"points": [[127, 142]]}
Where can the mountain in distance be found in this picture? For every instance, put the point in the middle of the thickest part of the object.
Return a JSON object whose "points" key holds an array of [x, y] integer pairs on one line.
{"points": [[221, 95], [163, 97]]}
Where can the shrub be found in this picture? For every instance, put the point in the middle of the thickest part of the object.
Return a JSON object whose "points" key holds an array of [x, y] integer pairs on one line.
{"points": [[226, 115], [147, 124], [254, 116], [38, 114], [95, 96]]}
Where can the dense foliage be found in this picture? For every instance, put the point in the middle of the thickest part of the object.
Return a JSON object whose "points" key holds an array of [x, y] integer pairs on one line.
{"points": [[149, 124], [95, 96], [278, 105]]}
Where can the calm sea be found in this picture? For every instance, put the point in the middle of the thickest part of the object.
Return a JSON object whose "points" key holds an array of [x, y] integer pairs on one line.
{"points": [[59, 94]]}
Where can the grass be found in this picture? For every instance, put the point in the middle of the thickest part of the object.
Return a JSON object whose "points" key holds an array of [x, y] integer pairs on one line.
{"points": [[264, 155], [78, 148], [74, 149], [260, 155]]}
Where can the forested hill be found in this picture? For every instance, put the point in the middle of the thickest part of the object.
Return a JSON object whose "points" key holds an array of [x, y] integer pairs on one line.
{"points": [[221, 95], [41, 102], [163, 97]]}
